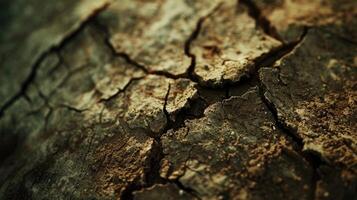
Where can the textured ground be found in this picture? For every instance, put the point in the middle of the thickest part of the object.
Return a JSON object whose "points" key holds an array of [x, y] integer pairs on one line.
{"points": [[178, 99]]}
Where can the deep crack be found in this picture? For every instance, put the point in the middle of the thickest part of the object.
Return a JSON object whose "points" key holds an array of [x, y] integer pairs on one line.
{"points": [[314, 160], [190, 72], [268, 61], [121, 90], [261, 20]]}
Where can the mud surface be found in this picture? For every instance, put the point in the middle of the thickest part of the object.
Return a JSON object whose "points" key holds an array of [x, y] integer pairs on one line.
{"points": [[181, 99]]}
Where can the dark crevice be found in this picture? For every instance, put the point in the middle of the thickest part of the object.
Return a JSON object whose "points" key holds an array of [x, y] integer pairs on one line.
{"points": [[27, 98], [315, 162], [196, 106], [193, 36], [261, 20], [104, 29], [190, 72], [127, 57], [122, 90], [34, 68], [194, 110], [151, 173], [266, 60], [167, 74], [188, 190], [153, 165], [269, 60], [132, 62], [312, 158], [129, 190], [227, 92], [286, 129], [71, 108], [24, 85], [168, 118], [276, 54]]}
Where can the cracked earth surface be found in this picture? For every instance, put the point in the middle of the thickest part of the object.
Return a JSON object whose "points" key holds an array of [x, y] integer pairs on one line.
{"points": [[162, 99]]}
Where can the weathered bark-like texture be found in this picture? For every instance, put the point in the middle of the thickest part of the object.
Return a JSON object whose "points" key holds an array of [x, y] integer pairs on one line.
{"points": [[178, 99]]}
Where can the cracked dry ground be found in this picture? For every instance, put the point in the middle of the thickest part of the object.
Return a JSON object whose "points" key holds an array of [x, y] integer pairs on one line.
{"points": [[178, 99]]}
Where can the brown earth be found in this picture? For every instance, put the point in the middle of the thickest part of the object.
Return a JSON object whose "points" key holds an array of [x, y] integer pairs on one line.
{"points": [[178, 99]]}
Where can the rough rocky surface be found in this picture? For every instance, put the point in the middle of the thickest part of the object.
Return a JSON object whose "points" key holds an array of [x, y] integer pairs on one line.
{"points": [[314, 93], [287, 19], [26, 42], [181, 99], [156, 32], [228, 45], [234, 151]]}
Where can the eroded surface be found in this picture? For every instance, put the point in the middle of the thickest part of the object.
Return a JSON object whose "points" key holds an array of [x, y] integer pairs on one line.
{"points": [[233, 152], [24, 41], [147, 100], [154, 33], [228, 45], [288, 17], [144, 103], [85, 110], [313, 92]]}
